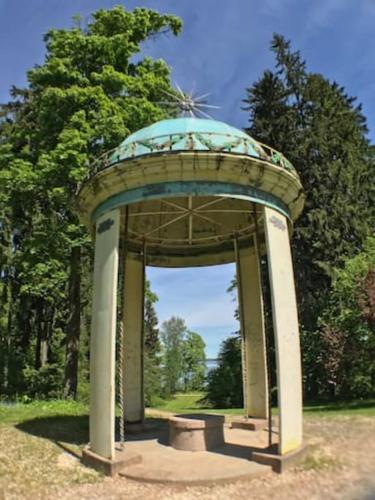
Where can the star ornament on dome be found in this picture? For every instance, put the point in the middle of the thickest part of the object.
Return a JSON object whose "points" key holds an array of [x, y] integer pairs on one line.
{"points": [[188, 103]]}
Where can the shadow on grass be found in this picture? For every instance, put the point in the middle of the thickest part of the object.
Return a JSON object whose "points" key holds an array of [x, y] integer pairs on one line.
{"points": [[64, 431], [69, 429], [74, 430]]}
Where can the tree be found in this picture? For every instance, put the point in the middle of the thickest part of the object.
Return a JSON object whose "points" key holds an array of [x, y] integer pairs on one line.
{"points": [[194, 361], [172, 334], [86, 97], [152, 360], [224, 383], [321, 131], [152, 343], [347, 330]]}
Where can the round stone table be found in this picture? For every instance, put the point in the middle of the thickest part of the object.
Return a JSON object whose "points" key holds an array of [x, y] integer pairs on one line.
{"points": [[196, 432]]}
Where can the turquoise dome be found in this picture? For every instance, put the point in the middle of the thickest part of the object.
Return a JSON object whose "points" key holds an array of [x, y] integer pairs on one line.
{"points": [[187, 134]]}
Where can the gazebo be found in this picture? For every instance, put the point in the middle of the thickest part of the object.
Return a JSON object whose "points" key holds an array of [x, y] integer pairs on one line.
{"points": [[191, 192]]}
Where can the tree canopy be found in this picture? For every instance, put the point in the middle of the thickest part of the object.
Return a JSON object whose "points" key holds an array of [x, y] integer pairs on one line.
{"points": [[322, 132], [86, 97]]}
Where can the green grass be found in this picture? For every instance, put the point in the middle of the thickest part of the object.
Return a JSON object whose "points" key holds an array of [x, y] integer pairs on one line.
{"points": [[19, 413], [357, 407], [16, 413], [191, 403], [41, 444]]}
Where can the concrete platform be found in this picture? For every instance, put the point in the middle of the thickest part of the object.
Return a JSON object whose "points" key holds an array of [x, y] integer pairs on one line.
{"points": [[163, 464]]}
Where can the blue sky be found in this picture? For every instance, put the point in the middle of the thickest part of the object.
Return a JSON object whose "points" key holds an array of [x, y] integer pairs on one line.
{"points": [[222, 50]]}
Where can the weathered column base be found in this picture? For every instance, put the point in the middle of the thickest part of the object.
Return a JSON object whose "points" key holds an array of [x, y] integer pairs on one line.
{"points": [[279, 463], [250, 423], [111, 467]]}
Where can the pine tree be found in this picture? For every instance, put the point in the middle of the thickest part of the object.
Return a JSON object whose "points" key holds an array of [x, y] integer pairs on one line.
{"points": [[224, 384], [321, 131], [152, 343]]}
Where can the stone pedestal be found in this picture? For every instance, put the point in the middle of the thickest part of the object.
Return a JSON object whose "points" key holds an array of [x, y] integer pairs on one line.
{"points": [[196, 432], [251, 424], [279, 463]]}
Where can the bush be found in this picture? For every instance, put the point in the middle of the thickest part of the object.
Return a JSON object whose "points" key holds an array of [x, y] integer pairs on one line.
{"points": [[45, 383], [347, 328]]}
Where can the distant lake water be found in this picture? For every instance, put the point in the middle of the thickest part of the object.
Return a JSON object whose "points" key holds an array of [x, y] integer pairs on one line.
{"points": [[210, 364]]}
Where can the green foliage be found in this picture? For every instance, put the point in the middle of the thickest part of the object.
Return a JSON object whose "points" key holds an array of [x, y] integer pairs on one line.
{"points": [[224, 384], [153, 390], [44, 383], [321, 131], [85, 98], [152, 343], [346, 328], [183, 357], [194, 362], [172, 335], [339, 356], [152, 357]]}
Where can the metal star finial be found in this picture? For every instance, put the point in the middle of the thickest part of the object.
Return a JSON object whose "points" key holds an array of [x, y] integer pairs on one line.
{"points": [[189, 103]]}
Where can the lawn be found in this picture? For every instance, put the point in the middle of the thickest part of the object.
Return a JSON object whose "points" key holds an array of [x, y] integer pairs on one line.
{"points": [[191, 402], [40, 445]]}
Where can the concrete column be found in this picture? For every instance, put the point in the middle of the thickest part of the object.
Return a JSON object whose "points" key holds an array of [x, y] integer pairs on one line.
{"points": [[103, 336], [133, 340], [286, 331], [255, 344]]}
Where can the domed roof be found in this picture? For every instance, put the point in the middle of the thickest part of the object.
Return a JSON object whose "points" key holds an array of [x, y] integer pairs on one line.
{"points": [[187, 134], [187, 187]]}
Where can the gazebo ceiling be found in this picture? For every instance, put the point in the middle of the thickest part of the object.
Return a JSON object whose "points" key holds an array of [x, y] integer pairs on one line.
{"points": [[187, 184], [191, 230]]}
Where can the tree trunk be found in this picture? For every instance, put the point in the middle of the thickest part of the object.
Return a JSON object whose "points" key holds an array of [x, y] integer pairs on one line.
{"points": [[74, 325], [41, 347], [7, 340], [24, 322]]}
